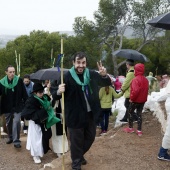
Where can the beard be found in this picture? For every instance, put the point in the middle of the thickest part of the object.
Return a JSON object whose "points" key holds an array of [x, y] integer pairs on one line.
{"points": [[79, 70]]}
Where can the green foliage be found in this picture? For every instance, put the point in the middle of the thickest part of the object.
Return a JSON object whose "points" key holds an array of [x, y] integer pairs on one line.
{"points": [[105, 34]]}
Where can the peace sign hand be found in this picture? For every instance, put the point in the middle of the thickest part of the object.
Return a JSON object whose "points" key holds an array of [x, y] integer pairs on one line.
{"points": [[102, 69]]}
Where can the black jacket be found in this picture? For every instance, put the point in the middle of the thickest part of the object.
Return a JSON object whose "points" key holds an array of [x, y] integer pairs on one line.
{"points": [[33, 110], [13, 101], [75, 104]]}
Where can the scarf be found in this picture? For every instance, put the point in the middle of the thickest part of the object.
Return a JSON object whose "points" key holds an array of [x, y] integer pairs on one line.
{"points": [[4, 82], [86, 77], [52, 119]]}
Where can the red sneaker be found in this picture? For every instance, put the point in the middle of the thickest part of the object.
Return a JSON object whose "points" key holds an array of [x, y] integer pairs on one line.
{"points": [[139, 133], [128, 130]]}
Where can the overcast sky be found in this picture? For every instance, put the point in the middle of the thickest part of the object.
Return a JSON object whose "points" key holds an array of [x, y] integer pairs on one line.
{"points": [[23, 16]]}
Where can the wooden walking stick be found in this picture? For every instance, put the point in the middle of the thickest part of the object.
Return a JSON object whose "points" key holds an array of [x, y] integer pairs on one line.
{"points": [[62, 106]]}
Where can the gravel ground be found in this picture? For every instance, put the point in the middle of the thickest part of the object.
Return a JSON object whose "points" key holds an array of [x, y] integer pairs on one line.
{"points": [[114, 151]]}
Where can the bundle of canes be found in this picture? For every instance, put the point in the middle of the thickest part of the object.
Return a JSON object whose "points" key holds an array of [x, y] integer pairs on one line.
{"points": [[62, 104]]}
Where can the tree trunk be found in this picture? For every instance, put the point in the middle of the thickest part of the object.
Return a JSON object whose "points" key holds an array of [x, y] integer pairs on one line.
{"points": [[115, 71]]}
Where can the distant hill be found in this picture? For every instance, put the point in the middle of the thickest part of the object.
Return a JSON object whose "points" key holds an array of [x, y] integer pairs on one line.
{"points": [[6, 38]]}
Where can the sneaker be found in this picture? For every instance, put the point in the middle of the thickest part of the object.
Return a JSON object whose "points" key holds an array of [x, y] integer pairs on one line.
{"points": [[17, 146], [36, 159], [128, 130], [166, 157], [124, 120], [139, 133], [103, 132]]}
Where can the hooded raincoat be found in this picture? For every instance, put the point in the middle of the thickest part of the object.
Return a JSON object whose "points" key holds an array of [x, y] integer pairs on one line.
{"points": [[139, 85]]}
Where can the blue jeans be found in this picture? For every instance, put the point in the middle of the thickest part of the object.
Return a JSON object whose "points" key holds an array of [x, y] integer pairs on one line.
{"points": [[105, 119]]}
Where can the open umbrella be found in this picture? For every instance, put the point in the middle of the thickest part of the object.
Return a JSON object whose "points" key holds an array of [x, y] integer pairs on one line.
{"points": [[131, 54], [161, 21], [47, 74]]}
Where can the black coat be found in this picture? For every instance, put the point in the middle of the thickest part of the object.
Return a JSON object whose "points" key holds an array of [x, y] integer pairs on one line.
{"points": [[33, 110], [13, 101], [75, 104]]}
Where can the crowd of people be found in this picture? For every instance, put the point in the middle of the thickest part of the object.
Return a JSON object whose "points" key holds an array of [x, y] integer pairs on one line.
{"points": [[39, 107]]}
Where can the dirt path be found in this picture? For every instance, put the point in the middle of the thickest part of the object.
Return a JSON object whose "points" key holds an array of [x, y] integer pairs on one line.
{"points": [[114, 151]]}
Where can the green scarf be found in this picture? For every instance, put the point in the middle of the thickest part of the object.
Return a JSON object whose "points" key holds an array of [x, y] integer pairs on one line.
{"points": [[4, 82], [52, 119], [86, 77]]}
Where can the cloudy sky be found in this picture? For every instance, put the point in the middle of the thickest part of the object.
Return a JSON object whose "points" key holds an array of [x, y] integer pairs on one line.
{"points": [[24, 16]]}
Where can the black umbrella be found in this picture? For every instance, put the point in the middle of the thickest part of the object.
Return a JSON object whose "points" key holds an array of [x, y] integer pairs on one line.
{"points": [[161, 21], [131, 54], [47, 74]]}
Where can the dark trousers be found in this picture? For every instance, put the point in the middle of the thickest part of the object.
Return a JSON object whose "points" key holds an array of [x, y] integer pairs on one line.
{"points": [[13, 126], [105, 119], [139, 108], [127, 104], [81, 141]]}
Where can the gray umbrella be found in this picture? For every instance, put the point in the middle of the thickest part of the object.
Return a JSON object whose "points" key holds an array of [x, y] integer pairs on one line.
{"points": [[47, 74], [161, 21], [131, 54]]}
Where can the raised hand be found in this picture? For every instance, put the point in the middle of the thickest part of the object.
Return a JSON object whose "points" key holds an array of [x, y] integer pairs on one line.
{"points": [[61, 88], [101, 68]]}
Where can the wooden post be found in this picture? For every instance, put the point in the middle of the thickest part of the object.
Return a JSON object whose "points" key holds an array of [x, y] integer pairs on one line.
{"points": [[62, 106]]}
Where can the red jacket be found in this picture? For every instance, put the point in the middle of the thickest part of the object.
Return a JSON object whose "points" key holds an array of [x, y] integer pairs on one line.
{"points": [[139, 85]]}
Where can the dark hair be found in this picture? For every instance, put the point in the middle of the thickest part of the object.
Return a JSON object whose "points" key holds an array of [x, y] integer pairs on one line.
{"points": [[130, 62], [80, 55], [27, 76], [8, 67], [107, 90]]}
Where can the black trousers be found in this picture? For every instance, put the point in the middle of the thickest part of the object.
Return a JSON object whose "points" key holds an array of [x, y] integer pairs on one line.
{"points": [[81, 141], [127, 105], [139, 108]]}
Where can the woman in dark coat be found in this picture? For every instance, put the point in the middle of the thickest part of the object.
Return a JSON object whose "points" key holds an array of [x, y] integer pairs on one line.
{"points": [[37, 110]]}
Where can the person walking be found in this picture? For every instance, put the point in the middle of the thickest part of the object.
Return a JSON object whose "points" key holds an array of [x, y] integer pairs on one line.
{"points": [[82, 105], [39, 112], [153, 83], [126, 87], [13, 97], [106, 95], [28, 86], [138, 96], [57, 129]]}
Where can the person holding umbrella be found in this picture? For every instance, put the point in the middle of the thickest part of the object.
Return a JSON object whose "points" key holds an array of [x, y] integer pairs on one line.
{"points": [[82, 105]]}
